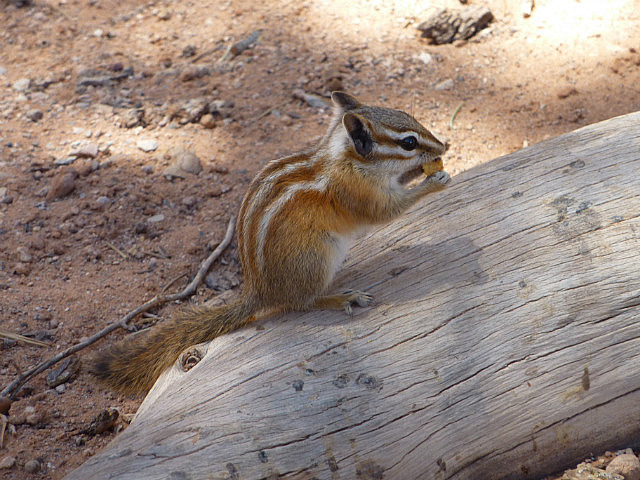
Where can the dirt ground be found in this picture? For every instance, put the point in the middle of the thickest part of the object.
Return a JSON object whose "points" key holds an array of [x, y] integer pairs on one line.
{"points": [[83, 242]]}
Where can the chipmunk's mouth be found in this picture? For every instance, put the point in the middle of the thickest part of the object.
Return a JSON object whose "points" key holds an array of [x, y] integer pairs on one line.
{"points": [[414, 172]]}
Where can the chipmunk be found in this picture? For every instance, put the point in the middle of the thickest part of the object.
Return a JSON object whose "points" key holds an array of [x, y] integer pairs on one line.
{"points": [[295, 225]]}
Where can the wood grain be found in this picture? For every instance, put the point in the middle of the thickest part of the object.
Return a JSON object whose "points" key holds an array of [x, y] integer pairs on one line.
{"points": [[504, 341]]}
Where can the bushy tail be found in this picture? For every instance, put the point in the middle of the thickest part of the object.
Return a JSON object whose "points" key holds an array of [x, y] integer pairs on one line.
{"points": [[133, 366]]}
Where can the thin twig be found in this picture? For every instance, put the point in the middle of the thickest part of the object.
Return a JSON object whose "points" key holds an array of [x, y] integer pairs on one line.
{"points": [[268, 111], [168, 285], [453, 117], [226, 52], [117, 250], [22, 338], [204, 54], [13, 387]]}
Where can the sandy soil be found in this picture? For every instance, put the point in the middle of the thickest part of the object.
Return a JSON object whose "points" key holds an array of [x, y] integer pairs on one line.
{"points": [[107, 74]]}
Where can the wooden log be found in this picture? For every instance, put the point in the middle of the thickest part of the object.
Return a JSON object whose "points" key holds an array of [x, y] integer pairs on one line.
{"points": [[504, 341]]}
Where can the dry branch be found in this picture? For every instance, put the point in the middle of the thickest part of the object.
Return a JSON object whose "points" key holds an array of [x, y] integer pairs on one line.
{"points": [[156, 301]]}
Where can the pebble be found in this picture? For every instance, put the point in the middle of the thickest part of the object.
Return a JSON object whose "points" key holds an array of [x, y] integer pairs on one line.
{"points": [[7, 462], [22, 85], [163, 14], [2, 70], [102, 200], [62, 184], [84, 149], [148, 169], [147, 145], [189, 162], [33, 466], [189, 201], [86, 167], [626, 465], [24, 255], [174, 171], [65, 161], [22, 269], [156, 218], [208, 121], [34, 416], [567, 92], [444, 85], [34, 114], [425, 58]]}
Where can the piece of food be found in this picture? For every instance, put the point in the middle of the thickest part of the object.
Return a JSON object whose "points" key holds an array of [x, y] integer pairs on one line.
{"points": [[432, 167]]}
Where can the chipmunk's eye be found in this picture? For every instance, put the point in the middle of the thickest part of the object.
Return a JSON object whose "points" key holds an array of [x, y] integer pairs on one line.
{"points": [[408, 143]]}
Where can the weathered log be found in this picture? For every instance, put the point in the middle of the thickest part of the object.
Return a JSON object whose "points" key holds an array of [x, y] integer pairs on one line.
{"points": [[504, 342]]}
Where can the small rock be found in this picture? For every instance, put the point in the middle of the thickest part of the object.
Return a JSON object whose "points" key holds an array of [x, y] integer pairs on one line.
{"points": [[444, 85], [626, 465], [3, 192], [147, 145], [221, 281], [192, 72], [133, 118], [65, 161], [189, 201], [22, 85], [62, 184], [208, 121], [64, 372], [526, 7], [148, 169], [194, 109], [85, 149], [425, 58], [163, 14], [33, 466], [174, 171], [588, 472], [35, 416], [98, 32], [22, 269], [7, 462], [61, 388], [312, 100], [189, 51], [189, 162], [103, 422], [24, 255], [156, 218], [447, 26], [2, 70], [566, 92], [86, 167], [104, 201], [34, 114]]}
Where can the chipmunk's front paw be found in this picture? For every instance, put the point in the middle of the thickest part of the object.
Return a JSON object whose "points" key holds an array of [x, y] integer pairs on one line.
{"points": [[440, 177]]}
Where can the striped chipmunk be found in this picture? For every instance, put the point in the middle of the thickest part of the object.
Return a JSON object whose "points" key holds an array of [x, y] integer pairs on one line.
{"points": [[294, 228]]}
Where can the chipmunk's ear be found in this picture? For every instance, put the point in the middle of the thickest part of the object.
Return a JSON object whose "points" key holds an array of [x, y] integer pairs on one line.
{"points": [[344, 101], [358, 132]]}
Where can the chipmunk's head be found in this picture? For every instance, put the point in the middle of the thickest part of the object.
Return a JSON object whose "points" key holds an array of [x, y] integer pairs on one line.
{"points": [[383, 137]]}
